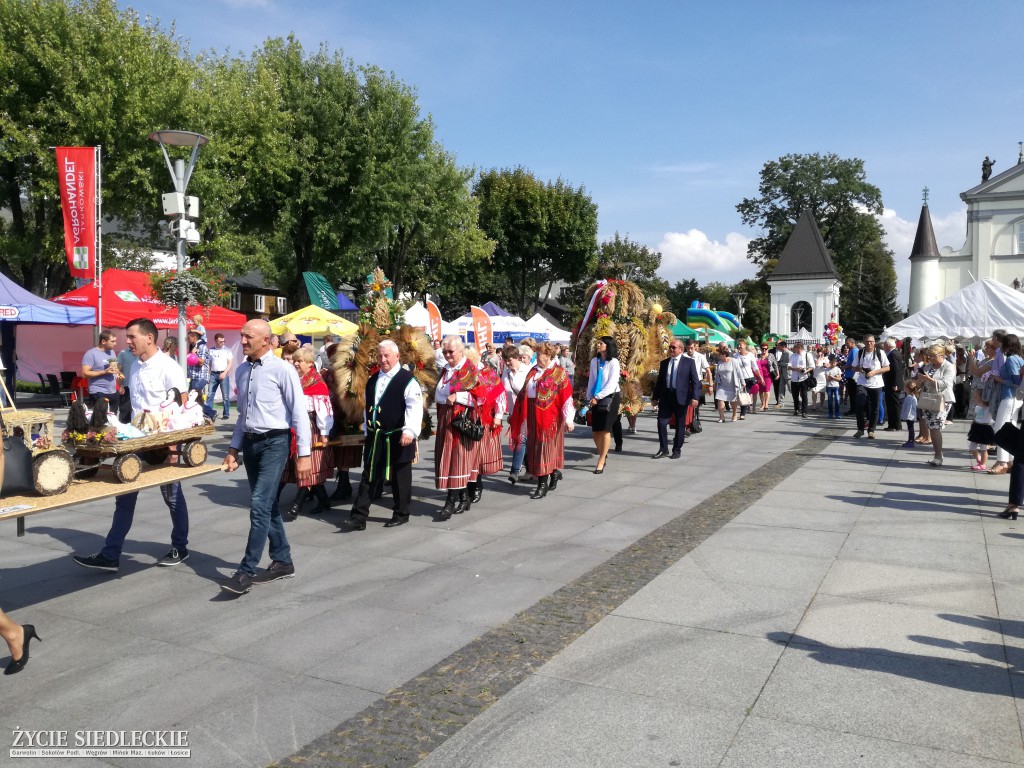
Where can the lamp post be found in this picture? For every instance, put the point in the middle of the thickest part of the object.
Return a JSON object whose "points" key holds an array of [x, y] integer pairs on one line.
{"points": [[739, 297], [182, 210]]}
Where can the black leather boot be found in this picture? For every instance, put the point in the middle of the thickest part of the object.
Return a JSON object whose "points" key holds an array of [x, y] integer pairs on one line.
{"points": [[464, 502], [343, 490], [542, 488], [476, 491], [449, 506], [296, 507], [554, 478], [323, 501]]}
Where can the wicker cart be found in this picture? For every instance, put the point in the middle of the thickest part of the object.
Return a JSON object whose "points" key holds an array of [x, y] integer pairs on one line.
{"points": [[128, 455]]}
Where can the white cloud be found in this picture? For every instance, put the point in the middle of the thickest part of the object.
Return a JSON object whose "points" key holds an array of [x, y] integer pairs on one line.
{"points": [[692, 254], [950, 230]]}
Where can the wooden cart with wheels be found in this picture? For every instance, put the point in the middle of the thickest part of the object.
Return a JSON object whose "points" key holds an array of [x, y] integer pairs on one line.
{"points": [[128, 455], [52, 466]]}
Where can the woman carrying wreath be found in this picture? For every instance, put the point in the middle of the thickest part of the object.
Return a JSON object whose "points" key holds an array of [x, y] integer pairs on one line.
{"points": [[543, 413], [456, 455]]}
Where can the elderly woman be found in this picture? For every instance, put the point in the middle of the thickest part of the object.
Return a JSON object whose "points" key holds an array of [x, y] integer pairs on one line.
{"points": [[517, 365], [543, 411], [603, 396], [938, 377], [321, 417], [491, 411], [728, 384], [456, 454]]}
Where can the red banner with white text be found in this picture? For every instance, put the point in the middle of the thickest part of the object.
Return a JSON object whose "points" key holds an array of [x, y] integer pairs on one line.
{"points": [[481, 330], [435, 321], [76, 171]]}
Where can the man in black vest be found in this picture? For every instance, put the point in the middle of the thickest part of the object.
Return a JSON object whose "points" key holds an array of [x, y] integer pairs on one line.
{"points": [[676, 387], [893, 379], [394, 413]]}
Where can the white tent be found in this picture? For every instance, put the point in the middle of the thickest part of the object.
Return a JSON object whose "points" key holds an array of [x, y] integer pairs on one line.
{"points": [[540, 324], [502, 327], [417, 316], [802, 335], [970, 313]]}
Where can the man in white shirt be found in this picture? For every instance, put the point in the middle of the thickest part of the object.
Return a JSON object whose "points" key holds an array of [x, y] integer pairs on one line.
{"points": [[221, 360], [322, 361], [700, 360], [801, 371], [153, 375], [394, 414], [871, 364]]}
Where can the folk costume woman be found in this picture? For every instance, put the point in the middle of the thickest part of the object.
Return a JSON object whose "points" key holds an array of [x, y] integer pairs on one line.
{"points": [[491, 412], [321, 417], [456, 455], [542, 413]]}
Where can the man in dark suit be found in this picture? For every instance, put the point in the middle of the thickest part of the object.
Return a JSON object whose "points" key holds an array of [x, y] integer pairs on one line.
{"points": [[893, 380], [676, 387]]}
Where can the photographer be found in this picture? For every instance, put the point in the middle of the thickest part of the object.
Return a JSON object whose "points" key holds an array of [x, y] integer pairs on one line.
{"points": [[871, 364]]}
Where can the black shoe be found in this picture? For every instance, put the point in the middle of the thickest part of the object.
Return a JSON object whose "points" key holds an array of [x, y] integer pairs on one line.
{"points": [[17, 665], [323, 501], [477, 493], [542, 488], [553, 479], [618, 448], [464, 502], [174, 557], [513, 478], [660, 455], [98, 562], [354, 525], [676, 455], [343, 490], [1010, 513], [297, 502], [859, 433], [277, 570], [394, 522], [449, 506], [238, 584]]}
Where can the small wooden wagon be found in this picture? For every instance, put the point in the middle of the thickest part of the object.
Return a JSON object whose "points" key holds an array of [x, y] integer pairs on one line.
{"points": [[52, 466], [128, 455]]}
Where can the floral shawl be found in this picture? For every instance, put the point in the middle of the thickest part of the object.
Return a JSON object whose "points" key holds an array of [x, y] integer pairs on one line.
{"points": [[553, 391]]}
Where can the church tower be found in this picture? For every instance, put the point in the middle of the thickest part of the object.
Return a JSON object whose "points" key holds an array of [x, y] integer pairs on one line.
{"points": [[924, 263], [805, 283]]}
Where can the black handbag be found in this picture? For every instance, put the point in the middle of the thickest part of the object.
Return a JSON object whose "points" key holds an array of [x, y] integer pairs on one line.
{"points": [[695, 427], [471, 428], [604, 404], [17, 465]]}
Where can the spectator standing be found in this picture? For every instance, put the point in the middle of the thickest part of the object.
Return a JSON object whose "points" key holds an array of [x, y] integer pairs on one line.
{"points": [[801, 371], [126, 360], [222, 360], [871, 365], [99, 366], [781, 355], [198, 367], [893, 380], [323, 359]]}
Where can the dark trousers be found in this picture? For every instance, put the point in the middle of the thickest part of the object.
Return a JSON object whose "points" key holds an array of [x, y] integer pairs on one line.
{"points": [[867, 407], [800, 395], [1017, 483], [666, 410], [124, 515], [124, 411], [401, 488], [892, 407], [616, 432], [910, 430]]}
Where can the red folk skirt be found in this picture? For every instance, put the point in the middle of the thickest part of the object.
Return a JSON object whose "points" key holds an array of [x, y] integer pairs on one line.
{"points": [[321, 460], [456, 457], [543, 456], [348, 456], [491, 461]]}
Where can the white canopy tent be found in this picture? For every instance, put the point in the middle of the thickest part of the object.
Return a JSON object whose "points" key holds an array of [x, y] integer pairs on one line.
{"points": [[417, 316], [540, 324], [970, 313]]}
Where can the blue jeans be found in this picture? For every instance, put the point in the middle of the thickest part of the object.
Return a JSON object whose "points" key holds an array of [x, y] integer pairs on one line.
{"points": [[832, 397], [224, 385], [517, 458], [124, 513], [264, 462]]}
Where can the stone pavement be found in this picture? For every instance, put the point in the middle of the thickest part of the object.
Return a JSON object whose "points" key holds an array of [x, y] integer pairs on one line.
{"points": [[866, 611], [848, 610]]}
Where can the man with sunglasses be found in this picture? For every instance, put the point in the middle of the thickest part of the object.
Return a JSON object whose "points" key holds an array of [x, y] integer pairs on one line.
{"points": [[676, 387]]}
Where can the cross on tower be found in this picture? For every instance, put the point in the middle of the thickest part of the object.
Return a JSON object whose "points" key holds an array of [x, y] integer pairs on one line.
{"points": [[924, 195]]}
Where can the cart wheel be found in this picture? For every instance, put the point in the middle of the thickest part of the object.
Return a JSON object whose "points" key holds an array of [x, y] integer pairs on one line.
{"points": [[52, 472], [86, 467], [195, 453], [155, 456], [127, 467]]}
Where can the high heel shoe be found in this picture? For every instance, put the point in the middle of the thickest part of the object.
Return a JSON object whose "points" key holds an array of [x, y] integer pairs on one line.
{"points": [[555, 477], [476, 491], [1010, 513], [464, 502], [542, 488], [449, 506], [17, 665]]}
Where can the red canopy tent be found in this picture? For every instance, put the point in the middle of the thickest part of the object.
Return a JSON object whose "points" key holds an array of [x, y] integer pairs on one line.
{"points": [[126, 296]]}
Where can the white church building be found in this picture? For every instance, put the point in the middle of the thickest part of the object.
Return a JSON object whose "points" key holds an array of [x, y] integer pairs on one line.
{"points": [[994, 246], [804, 284]]}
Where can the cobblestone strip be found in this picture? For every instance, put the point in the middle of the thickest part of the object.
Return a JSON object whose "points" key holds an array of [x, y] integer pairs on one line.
{"points": [[411, 721]]}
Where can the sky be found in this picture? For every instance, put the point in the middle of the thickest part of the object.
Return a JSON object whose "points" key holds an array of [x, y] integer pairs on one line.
{"points": [[666, 111]]}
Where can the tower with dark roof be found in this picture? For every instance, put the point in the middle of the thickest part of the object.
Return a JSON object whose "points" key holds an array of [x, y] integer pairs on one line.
{"points": [[924, 263], [805, 283]]}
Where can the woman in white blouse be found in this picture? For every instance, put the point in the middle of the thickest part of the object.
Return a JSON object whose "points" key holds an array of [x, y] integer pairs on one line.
{"points": [[517, 365], [603, 397]]}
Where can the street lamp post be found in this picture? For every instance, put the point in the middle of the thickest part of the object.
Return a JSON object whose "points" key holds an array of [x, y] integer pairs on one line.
{"points": [[739, 297], [182, 210]]}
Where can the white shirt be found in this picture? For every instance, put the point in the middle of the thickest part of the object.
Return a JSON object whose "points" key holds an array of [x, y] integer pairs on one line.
{"points": [[701, 363], [150, 380], [513, 381], [747, 362], [800, 360], [413, 400], [220, 358], [875, 360]]}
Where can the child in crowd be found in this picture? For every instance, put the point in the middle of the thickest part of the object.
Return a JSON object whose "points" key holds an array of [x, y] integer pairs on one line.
{"points": [[979, 448], [908, 412], [199, 328], [833, 377]]}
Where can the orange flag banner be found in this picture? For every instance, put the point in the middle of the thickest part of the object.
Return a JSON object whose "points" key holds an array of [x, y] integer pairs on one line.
{"points": [[435, 321], [481, 329]]}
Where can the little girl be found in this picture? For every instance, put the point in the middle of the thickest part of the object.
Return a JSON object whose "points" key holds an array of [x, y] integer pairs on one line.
{"points": [[908, 413], [833, 375], [982, 416]]}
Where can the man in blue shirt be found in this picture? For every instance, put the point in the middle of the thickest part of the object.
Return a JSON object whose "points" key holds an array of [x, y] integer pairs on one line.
{"points": [[99, 366], [270, 406]]}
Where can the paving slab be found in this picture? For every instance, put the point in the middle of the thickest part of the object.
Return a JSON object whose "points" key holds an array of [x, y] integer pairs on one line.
{"points": [[931, 588]]}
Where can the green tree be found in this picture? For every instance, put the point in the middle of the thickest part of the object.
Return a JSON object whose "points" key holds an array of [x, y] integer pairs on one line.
{"points": [[681, 295], [625, 259], [543, 233], [845, 206]]}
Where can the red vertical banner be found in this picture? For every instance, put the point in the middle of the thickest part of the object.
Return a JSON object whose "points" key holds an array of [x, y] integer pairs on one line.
{"points": [[434, 314], [481, 329], [76, 171]]}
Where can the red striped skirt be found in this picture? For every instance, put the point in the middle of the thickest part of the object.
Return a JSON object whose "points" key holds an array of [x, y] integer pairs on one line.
{"points": [[456, 457], [348, 456], [321, 459], [543, 456], [491, 460]]}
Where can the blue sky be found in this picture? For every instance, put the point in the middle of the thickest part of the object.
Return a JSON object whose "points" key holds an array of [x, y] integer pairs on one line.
{"points": [[666, 111]]}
